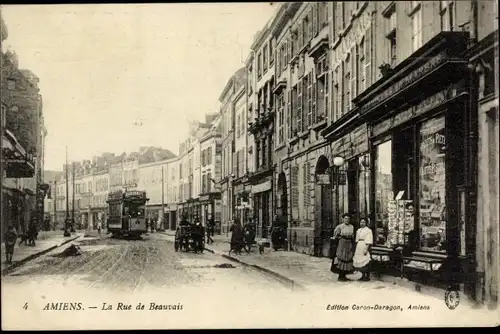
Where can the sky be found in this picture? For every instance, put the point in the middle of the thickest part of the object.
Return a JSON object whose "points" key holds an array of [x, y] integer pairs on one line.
{"points": [[117, 77]]}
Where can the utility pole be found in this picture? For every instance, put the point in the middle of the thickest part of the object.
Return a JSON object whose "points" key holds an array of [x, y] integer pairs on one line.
{"points": [[55, 204], [162, 198], [66, 220], [73, 198]]}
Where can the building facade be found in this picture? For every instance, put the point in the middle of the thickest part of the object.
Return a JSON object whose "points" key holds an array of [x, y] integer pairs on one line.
{"points": [[262, 129], [403, 134], [228, 146], [241, 184], [22, 143], [210, 171]]}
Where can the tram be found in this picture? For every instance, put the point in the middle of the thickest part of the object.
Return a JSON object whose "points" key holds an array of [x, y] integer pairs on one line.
{"points": [[126, 216]]}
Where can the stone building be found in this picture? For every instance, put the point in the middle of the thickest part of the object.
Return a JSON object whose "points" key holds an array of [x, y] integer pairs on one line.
{"points": [[262, 128], [22, 142], [226, 99]]}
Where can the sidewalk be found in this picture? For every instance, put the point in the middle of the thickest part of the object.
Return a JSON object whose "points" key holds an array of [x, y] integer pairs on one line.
{"points": [[46, 241]]}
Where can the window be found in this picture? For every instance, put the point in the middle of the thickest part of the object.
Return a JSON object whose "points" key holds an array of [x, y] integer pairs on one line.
{"points": [[281, 116], [347, 84], [289, 114], [326, 98], [298, 108], [294, 180], [383, 193], [264, 58], [338, 94], [258, 153], [306, 91], [271, 51], [447, 15], [294, 119], [362, 57], [354, 73], [264, 152], [259, 65], [306, 192], [432, 187], [416, 23], [306, 30]]}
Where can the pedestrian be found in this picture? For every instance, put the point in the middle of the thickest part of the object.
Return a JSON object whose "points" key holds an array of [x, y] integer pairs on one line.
{"points": [[364, 241], [344, 235], [237, 238], [32, 232], [10, 242], [210, 230], [99, 226]]}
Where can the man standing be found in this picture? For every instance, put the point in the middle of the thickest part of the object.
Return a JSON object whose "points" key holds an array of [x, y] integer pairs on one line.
{"points": [[10, 242]]}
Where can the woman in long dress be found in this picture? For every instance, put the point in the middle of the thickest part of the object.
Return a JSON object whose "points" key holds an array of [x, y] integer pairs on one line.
{"points": [[344, 233], [237, 238], [364, 240]]}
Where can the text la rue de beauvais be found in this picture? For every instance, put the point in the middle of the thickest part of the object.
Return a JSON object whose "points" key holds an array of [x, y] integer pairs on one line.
{"points": [[118, 307], [376, 307]]}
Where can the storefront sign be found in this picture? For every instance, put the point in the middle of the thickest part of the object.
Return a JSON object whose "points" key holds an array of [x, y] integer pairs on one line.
{"points": [[406, 81], [322, 178], [204, 198], [265, 186], [421, 108]]}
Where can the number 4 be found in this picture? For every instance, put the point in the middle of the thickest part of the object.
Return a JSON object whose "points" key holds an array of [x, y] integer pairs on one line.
{"points": [[25, 306]]}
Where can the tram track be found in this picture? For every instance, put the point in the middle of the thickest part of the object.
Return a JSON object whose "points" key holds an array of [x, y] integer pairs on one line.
{"points": [[141, 276], [125, 252]]}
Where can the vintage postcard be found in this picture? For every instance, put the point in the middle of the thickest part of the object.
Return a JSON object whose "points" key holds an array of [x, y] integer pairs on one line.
{"points": [[250, 165]]}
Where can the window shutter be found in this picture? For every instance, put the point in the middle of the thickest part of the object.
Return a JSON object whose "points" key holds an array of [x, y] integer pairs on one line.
{"points": [[311, 83], [368, 57], [289, 113], [354, 61], [299, 106], [314, 93], [315, 17], [305, 105]]}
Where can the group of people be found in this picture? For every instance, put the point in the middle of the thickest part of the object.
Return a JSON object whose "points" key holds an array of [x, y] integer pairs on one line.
{"points": [[11, 236], [241, 236], [353, 249]]}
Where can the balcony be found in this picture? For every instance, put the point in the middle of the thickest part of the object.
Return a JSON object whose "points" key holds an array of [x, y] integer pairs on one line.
{"points": [[264, 120]]}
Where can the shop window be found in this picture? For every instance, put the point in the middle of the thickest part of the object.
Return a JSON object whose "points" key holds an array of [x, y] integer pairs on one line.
{"points": [[383, 191], [432, 186], [364, 186]]}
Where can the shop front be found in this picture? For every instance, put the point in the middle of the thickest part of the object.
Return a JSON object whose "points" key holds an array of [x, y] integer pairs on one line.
{"points": [[346, 183], [262, 198], [419, 121], [209, 203], [242, 209]]}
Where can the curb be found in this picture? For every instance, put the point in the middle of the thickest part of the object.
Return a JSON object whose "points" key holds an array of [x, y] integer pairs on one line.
{"points": [[19, 263], [283, 279]]}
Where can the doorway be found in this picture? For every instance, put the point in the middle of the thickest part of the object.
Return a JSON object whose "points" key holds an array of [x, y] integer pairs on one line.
{"points": [[323, 204]]}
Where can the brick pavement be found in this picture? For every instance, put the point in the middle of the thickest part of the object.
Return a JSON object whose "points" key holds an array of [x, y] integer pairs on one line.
{"points": [[46, 240]]}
